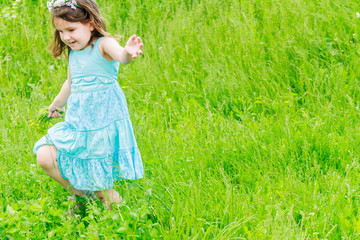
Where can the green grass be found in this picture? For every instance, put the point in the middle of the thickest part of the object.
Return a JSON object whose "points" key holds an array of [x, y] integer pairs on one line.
{"points": [[246, 114]]}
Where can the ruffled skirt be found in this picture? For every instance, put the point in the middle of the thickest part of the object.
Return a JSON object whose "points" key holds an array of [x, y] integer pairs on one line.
{"points": [[95, 145]]}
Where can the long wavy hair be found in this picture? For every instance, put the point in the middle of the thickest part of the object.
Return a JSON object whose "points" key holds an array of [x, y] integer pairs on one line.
{"points": [[88, 12]]}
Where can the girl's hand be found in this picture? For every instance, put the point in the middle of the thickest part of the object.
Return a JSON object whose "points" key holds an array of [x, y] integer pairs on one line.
{"points": [[133, 46], [55, 112]]}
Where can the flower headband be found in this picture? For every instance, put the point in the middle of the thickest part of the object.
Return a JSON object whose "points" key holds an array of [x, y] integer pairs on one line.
{"points": [[59, 3]]}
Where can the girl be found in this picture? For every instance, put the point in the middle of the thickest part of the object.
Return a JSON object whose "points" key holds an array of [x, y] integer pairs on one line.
{"points": [[95, 146]]}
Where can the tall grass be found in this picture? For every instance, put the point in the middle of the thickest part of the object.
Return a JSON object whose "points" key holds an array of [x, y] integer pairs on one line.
{"points": [[246, 114]]}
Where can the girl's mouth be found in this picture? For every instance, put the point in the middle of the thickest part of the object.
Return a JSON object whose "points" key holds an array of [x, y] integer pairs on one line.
{"points": [[72, 43]]}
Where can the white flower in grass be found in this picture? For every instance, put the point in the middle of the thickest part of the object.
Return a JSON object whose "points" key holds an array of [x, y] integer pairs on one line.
{"points": [[358, 15]]}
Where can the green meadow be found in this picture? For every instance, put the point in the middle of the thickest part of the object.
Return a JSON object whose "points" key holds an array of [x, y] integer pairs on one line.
{"points": [[246, 113]]}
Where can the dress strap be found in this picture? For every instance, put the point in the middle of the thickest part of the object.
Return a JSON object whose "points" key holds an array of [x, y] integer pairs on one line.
{"points": [[97, 41]]}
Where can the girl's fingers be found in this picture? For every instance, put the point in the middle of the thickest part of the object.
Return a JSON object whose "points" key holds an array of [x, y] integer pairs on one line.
{"points": [[134, 46], [135, 39], [54, 114], [57, 114]]}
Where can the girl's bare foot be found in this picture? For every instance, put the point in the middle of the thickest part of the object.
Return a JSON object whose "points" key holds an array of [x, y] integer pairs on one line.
{"points": [[108, 197]]}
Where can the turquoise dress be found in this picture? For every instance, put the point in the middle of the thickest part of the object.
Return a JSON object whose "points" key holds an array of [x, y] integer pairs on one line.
{"points": [[95, 145]]}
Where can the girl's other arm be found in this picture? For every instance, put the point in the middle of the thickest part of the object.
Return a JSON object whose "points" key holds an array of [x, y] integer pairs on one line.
{"points": [[111, 50], [61, 99]]}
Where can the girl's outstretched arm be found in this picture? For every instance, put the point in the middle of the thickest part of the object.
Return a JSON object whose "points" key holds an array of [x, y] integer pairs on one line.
{"points": [[111, 49], [60, 100]]}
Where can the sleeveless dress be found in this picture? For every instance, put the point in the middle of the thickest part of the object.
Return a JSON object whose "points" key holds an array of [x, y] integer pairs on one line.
{"points": [[95, 145]]}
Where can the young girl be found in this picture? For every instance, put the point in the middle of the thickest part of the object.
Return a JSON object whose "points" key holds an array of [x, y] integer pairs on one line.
{"points": [[95, 146]]}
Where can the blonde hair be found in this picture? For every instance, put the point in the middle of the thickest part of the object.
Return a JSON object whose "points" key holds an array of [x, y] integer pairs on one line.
{"points": [[87, 12]]}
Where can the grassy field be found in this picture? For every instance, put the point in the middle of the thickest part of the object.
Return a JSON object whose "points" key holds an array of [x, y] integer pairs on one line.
{"points": [[246, 113]]}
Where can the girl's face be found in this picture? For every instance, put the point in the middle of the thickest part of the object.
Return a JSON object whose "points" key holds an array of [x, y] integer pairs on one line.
{"points": [[76, 35]]}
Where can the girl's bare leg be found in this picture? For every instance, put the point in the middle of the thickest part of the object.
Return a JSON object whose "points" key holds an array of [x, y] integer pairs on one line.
{"points": [[108, 196], [46, 158]]}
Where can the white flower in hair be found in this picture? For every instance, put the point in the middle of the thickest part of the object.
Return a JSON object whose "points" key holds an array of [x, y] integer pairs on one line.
{"points": [[58, 3], [50, 4]]}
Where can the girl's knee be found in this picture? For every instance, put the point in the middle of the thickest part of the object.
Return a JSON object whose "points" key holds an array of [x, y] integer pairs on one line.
{"points": [[46, 156]]}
